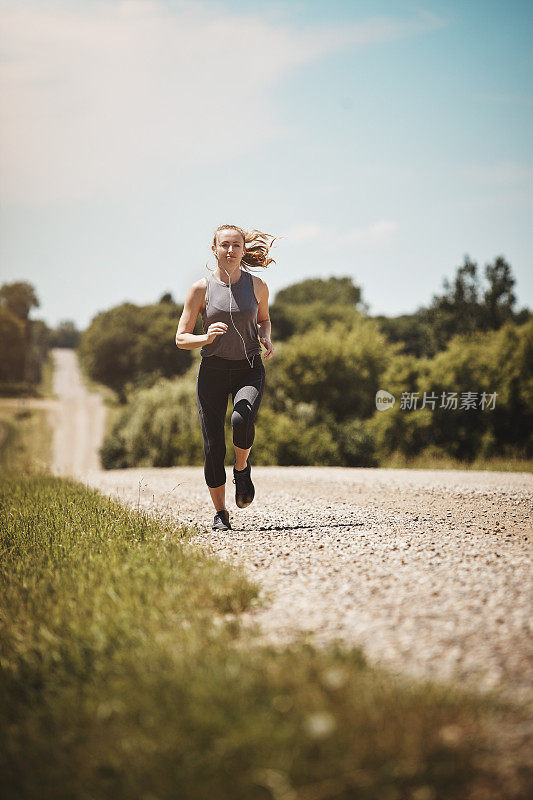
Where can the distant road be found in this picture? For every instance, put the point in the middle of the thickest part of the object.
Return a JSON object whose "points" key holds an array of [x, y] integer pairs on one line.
{"points": [[77, 417]]}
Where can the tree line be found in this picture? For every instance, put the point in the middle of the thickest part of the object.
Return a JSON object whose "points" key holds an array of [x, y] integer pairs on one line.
{"points": [[332, 357], [23, 342]]}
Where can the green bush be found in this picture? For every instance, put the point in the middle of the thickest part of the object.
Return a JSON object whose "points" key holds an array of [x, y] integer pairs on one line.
{"points": [[333, 291], [159, 427], [297, 438], [339, 368], [291, 319], [130, 344], [319, 403], [356, 442], [397, 430], [500, 361], [400, 431]]}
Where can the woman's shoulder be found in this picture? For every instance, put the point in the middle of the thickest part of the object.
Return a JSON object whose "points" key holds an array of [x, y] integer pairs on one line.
{"points": [[199, 286], [259, 283], [260, 286], [197, 293]]}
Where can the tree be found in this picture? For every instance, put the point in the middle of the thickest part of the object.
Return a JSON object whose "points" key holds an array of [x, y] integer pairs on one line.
{"points": [[133, 344], [337, 368], [39, 335], [333, 291], [19, 298], [12, 346], [465, 289], [499, 299], [291, 319], [497, 364], [458, 310], [410, 330], [303, 305], [466, 307], [395, 429], [65, 335]]}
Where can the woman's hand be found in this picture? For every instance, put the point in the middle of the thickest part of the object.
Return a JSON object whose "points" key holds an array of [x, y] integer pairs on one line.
{"points": [[267, 344], [214, 330]]}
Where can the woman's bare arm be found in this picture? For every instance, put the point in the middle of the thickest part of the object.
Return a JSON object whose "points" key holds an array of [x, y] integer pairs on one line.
{"points": [[263, 319], [185, 338]]}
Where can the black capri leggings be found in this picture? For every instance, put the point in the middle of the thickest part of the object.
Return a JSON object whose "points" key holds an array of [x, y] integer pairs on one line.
{"points": [[217, 378]]}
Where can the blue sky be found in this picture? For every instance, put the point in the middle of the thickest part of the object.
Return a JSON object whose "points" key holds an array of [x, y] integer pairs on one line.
{"points": [[380, 140]]}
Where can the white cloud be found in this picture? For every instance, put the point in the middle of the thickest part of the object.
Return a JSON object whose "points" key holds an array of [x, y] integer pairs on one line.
{"points": [[96, 96], [374, 234], [305, 233]]}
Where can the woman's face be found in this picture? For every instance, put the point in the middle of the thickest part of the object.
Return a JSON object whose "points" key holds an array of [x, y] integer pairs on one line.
{"points": [[229, 248]]}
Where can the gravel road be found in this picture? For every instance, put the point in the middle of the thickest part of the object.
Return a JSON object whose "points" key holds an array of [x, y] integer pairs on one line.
{"points": [[428, 571]]}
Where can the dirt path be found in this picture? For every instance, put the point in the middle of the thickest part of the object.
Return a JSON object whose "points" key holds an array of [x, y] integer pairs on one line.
{"points": [[428, 571], [77, 417]]}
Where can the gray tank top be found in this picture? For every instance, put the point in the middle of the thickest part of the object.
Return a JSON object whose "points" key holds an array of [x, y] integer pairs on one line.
{"points": [[243, 311]]}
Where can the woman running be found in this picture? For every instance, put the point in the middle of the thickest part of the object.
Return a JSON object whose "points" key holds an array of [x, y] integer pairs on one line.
{"points": [[234, 307]]}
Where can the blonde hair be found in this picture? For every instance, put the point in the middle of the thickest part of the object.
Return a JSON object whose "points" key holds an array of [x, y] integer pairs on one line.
{"points": [[257, 245]]}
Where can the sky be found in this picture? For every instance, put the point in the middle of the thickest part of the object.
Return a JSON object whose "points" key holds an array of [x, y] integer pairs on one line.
{"points": [[378, 140]]}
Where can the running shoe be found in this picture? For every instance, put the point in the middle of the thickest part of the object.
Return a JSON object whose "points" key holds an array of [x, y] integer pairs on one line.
{"points": [[221, 521], [244, 488]]}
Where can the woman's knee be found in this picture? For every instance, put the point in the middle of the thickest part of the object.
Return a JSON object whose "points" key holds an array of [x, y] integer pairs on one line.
{"points": [[242, 422], [242, 414]]}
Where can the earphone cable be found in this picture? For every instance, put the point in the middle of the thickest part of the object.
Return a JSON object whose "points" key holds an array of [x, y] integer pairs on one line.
{"points": [[233, 323]]}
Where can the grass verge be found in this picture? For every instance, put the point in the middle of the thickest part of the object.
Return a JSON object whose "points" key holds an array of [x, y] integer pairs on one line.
{"points": [[46, 386], [399, 461], [25, 436], [124, 673]]}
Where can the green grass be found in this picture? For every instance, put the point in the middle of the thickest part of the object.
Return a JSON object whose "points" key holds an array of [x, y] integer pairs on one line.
{"points": [[125, 673], [495, 464], [23, 388], [25, 437], [46, 386]]}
